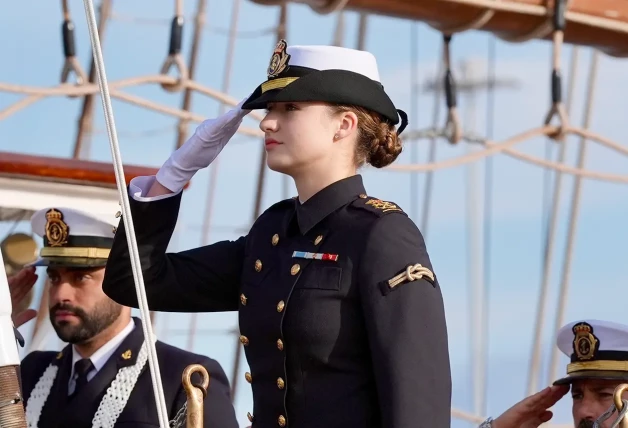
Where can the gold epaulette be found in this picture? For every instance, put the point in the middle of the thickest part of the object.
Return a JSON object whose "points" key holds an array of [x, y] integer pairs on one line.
{"points": [[377, 206]]}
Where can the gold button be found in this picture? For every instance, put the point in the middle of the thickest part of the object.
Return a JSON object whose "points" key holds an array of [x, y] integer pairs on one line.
{"points": [[244, 340], [248, 377], [280, 383], [118, 214], [295, 269], [280, 344], [318, 239], [243, 299], [250, 416], [280, 306], [258, 265], [363, 196], [275, 239], [281, 420]]}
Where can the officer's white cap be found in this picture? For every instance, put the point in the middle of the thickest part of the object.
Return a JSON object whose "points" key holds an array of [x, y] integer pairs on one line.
{"points": [[596, 349], [83, 238], [334, 58]]}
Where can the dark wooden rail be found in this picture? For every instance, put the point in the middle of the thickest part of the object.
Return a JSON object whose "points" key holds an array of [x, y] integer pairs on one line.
{"points": [[43, 168]]}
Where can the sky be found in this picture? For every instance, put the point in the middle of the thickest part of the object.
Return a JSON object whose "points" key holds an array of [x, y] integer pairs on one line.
{"points": [[136, 43]]}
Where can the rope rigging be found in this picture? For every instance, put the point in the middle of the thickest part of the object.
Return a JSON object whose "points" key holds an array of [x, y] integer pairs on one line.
{"points": [[574, 211], [174, 58], [71, 64], [452, 124], [549, 237], [557, 109], [138, 278], [487, 224], [213, 29], [35, 94]]}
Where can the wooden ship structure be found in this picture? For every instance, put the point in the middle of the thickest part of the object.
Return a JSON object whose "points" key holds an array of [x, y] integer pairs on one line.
{"points": [[30, 182]]}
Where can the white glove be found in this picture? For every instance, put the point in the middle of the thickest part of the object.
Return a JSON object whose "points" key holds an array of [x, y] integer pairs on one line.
{"points": [[200, 150]]}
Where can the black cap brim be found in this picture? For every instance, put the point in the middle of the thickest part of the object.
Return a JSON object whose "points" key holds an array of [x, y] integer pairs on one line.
{"points": [[259, 101], [330, 86], [593, 374], [69, 262]]}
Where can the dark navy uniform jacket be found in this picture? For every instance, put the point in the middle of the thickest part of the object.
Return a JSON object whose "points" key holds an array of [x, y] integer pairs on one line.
{"points": [[60, 411], [330, 344]]}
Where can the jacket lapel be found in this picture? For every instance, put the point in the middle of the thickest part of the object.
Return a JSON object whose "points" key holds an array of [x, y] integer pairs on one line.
{"points": [[57, 400], [80, 410]]}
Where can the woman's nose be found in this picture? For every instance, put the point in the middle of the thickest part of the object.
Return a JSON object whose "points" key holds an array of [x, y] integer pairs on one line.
{"points": [[268, 124]]}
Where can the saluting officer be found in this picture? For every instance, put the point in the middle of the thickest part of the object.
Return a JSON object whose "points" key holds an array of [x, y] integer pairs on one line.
{"points": [[101, 378], [598, 364], [341, 315]]}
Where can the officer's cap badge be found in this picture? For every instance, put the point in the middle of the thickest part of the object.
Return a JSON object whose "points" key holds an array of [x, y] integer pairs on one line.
{"points": [[56, 229], [585, 344], [279, 60]]}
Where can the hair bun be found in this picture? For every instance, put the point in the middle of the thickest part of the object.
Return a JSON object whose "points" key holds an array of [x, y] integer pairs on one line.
{"points": [[385, 147]]}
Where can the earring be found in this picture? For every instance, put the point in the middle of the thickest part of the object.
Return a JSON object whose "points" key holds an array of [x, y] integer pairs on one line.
{"points": [[336, 137]]}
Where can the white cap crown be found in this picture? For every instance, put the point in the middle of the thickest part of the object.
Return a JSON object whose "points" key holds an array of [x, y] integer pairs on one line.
{"points": [[334, 58], [611, 336], [79, 223]]}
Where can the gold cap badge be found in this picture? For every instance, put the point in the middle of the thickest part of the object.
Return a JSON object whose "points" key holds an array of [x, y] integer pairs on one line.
{"points": [[585, 344], [56, 229], [279, 60]]}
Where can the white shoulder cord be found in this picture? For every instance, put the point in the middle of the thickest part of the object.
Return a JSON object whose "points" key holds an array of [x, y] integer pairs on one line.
{"points": [[160, 402]]}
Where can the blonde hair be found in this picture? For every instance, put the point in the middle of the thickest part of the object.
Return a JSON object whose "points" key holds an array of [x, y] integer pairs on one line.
{"points": [[378, 143]]}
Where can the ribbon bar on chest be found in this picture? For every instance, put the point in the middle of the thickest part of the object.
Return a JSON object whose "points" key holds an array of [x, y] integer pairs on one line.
{"points": [[315, 256]]}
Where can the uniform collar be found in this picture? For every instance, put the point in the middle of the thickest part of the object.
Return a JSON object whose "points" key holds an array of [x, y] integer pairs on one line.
{"points": [[328, 200], [100, 357]]}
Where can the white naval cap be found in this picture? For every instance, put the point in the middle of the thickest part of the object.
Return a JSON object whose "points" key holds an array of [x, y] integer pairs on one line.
{"points": [[329, 74], [334, 58], [596, 349], [72, 238]]}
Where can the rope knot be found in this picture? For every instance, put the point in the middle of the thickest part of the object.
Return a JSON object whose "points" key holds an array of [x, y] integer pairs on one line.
{"points": [[412, 273]]}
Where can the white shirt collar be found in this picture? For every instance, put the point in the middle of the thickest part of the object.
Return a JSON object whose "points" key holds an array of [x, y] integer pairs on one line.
{"points": [[100, 357]]}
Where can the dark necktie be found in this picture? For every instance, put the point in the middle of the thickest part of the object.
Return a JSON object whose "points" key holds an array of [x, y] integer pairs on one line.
{"points": [[82, 369]]}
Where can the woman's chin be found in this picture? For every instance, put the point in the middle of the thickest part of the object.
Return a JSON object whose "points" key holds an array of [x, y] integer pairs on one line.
{"points": [[280, 164]]}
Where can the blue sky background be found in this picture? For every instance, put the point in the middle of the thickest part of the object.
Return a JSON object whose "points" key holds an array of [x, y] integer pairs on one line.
{"points": [[32, 55]]}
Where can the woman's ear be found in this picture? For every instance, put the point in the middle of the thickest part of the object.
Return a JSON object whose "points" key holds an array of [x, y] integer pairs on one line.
{"points": [[348, 124]]}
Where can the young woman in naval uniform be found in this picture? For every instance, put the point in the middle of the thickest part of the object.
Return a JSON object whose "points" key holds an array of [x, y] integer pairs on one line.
{"points": [[341, 316]]}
